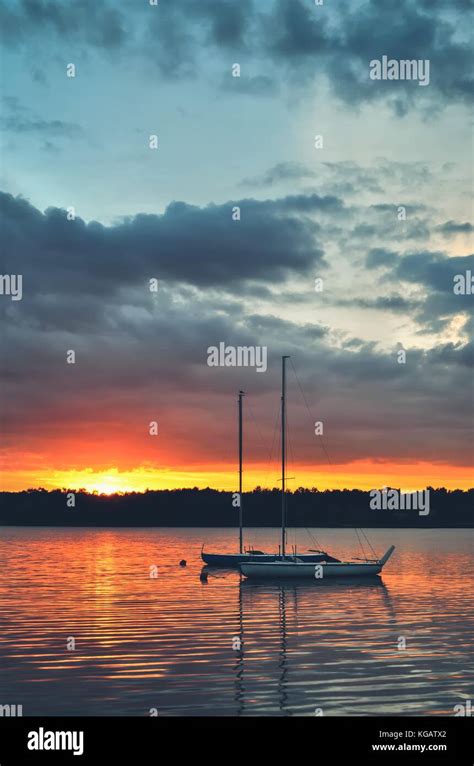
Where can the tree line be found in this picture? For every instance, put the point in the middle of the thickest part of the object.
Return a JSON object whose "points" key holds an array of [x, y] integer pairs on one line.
{"points": [[215, 508]]}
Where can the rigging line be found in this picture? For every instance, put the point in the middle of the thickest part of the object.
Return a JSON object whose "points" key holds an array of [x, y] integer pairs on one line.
{"points": [[291, 463], [369, 544], [315, 540], [256, 536], [312, 537], [321, 443], [360, 543], [324, 449], [257, 427], [269, 466]]}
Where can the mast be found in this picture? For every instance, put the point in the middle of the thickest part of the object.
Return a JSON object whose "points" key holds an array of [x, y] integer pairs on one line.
{"points": [[283, 452], [241, 542]]}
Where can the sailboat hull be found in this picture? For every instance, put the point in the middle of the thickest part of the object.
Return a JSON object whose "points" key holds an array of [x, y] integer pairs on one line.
{"points": [[295, 569], [302, 569], [234, 560]]}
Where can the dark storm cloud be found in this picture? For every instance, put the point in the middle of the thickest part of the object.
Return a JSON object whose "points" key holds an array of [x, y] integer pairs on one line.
{"points": [[401, 30], [306, 41], [295, 40], [201, 246]]}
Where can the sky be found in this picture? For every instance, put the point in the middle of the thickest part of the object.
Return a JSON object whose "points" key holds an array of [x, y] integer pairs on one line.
{"points": [[378, 207]]}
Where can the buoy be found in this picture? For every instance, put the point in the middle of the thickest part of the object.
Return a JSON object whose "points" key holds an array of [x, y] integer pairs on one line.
{"points": [[203, 576], [182, 563]]}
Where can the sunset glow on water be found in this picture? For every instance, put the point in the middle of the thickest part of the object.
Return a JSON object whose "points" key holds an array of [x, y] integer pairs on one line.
{"points": [[167, 642]]}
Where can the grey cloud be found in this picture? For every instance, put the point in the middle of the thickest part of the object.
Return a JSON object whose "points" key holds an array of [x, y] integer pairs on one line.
{"points": [[21, 119], [451, 228], [434, 273], [379, 256], [282, 171], [86, 288], [394, 303], [132, 362], [301, 41], [49, 127], [200, 246], [432, 269], [93, 22]]}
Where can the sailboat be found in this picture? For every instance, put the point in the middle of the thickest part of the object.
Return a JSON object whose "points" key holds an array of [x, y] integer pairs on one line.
{"points": [[284, 566], [230, 560], [298, 568]]}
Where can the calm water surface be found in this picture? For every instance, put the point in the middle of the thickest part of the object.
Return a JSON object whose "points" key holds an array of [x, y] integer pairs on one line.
{"points": [[167, 642]]}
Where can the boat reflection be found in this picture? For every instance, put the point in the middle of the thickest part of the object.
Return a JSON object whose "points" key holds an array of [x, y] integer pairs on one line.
{"points": [[258, 647]]}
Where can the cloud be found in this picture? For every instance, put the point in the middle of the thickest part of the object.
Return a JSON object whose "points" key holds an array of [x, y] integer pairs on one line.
{"points": [[287, 40], [347, 177], [136, 362], [282, 171], [395, 303], [93, 22], [434, 270], [142, 356], [21, 120], [188, 244], [435, 274], [379, 257], [451, 228]]}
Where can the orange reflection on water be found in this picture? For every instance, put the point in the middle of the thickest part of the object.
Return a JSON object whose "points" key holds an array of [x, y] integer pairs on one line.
{"points": [[168, 642]]}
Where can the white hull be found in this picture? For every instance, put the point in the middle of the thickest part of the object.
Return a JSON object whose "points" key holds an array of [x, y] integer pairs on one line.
{"points": [[299, 569]]}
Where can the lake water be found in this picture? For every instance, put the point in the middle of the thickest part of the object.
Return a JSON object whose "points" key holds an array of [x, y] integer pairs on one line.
{"points": [[171, 642]]}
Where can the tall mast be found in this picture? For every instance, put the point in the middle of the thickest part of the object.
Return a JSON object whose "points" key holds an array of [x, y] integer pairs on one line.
{"points": [[283, 452], [241, 542]]}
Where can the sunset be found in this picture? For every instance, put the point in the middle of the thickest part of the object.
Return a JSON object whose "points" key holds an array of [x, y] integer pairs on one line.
{"points": [[236, 365], [357, 475]]}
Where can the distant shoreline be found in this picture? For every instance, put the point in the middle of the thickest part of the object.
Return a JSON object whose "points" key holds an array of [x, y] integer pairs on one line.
{"points": [[201, 508], [357, 525]]}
